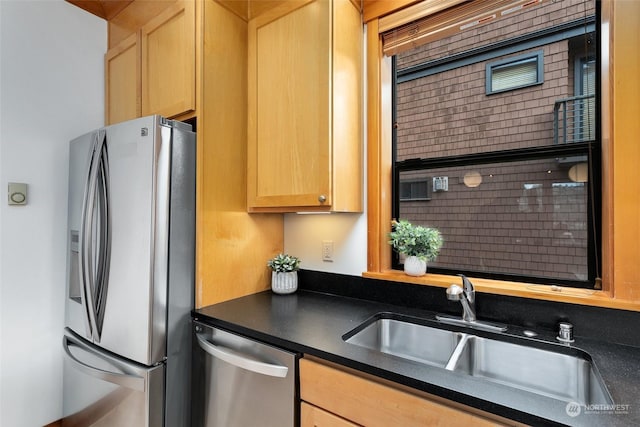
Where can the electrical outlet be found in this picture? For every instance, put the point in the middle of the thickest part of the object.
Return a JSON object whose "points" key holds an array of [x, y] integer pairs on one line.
{"points": [[327, 250]]}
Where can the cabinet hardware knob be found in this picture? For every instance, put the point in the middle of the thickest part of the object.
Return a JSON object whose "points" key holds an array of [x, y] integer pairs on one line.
{"points": [[322, 198]]}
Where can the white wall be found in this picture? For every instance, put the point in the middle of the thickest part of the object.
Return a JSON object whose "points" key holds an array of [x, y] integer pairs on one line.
{"points": [[51, 90], [303, 236]]}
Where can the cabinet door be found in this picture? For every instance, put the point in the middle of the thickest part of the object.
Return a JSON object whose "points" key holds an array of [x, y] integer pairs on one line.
{"points": [[168, 61], [122, 81], [289, 159], [368, 402], [311, 416]]}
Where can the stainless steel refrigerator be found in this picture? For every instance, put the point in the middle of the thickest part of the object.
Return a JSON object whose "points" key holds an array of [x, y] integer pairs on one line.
{"points": [[130, 275]]}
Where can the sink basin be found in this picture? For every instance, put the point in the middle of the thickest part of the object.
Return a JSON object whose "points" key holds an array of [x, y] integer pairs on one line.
{"points": [[562, 373], [567, 377], [406, 339]]}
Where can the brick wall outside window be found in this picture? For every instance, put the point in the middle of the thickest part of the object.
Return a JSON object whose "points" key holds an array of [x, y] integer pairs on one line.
{"points": [[526, 218]]}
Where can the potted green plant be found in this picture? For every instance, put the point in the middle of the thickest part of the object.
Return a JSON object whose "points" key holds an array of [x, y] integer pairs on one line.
{"points": [[419, 244], [284, 273]]}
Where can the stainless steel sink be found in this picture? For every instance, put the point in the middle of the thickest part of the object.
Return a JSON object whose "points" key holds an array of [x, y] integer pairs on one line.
{"points": [[407, 340], [565, 374], [567, 377]]}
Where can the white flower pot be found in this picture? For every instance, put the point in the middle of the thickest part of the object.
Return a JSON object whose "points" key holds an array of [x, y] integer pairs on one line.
{"points": [[414, 266], [284, 283]]}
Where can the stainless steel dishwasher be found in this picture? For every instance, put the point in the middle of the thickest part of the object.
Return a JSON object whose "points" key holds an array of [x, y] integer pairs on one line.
{"points": [[238, 382]]}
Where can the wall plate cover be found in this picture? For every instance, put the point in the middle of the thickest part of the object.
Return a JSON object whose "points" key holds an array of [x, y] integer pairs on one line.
{"points": [[17, 193], [327, 250]]}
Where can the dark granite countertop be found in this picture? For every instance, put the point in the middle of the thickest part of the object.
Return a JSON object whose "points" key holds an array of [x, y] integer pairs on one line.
{"points": [[314, 323]]}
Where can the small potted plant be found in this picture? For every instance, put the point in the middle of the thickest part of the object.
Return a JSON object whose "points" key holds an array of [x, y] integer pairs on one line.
{"points": [[419, 244], [284, 273]]}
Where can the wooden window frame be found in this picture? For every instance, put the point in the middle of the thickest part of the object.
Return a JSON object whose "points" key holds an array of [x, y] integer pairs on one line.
{"points": [[620, 202]]}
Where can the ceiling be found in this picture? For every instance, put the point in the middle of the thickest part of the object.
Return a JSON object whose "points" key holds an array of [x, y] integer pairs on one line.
{"points": [[246, 9]]}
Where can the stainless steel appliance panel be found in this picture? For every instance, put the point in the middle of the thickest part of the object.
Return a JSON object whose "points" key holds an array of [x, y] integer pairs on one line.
{"points": [[131, 263], [133, 303], [239, 382], [102, 389], [75, 313], [181, 287], [139, 160]]}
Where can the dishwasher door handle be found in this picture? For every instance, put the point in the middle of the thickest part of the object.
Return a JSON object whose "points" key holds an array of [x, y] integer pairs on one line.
{"points": [[240, 360]]}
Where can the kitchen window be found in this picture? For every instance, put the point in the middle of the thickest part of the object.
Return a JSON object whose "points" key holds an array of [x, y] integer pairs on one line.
{"points": [[618, 126], [520, 203]]}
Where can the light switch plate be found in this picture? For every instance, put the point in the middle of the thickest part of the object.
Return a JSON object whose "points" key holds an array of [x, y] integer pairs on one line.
{"points": [[17, 194], [327, 250]]}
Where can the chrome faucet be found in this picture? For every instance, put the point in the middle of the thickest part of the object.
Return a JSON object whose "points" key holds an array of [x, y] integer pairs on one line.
{"points": [[467, 297]]}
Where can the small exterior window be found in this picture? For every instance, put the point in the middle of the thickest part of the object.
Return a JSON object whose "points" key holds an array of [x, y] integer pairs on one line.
{"points": [[414, 190], [515, 73]]}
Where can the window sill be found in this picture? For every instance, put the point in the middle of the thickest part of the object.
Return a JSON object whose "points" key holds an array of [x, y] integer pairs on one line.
{"points": [[523, 290]]}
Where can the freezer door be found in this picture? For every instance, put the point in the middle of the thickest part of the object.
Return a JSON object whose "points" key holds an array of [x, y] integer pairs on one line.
{"points": [[101, 389]]}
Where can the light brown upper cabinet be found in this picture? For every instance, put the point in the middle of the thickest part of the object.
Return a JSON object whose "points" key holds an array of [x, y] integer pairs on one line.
{"points": [[153, 70], [168, 61], [122, 85], [305, 108]]}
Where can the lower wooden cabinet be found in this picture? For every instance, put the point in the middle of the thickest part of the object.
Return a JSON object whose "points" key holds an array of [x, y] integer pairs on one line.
{"points": [[336, 396], [312, 416]]}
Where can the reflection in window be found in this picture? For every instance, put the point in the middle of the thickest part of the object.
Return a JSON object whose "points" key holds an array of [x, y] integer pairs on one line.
{"points": [[526, 218]]}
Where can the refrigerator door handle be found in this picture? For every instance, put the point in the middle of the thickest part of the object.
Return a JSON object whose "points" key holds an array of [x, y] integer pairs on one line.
{"points": [[133, 382], [104, 239], [85, 266], [95, 230], [240, 360]]}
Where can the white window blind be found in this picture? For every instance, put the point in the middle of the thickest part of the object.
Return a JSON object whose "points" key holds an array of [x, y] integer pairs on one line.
{"points": [[444, 23], [588, 122], [517, 74]]}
